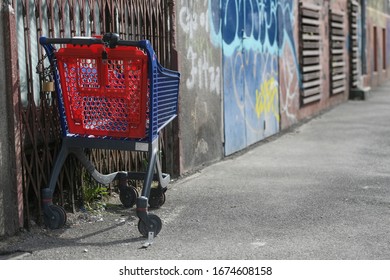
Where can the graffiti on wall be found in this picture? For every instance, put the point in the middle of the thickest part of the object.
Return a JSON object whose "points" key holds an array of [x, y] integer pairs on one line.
{"points": [[253, 35], [203, 74], [265, 98], [264, 23]]}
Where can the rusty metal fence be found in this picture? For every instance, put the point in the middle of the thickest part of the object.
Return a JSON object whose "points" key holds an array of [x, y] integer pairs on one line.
{"points": [[133, 20]]}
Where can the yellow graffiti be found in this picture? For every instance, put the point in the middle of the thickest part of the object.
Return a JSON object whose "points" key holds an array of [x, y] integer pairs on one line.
{"points": [[267, 99]]}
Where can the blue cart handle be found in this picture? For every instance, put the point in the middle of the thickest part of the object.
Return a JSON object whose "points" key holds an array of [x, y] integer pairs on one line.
{"points": [[109, 39]]}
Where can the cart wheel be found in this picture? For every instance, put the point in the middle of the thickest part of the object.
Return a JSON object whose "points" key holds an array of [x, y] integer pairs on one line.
{"points": [[57, 219], [156, 198], [128, 196], [64, 214], [155, 223]]}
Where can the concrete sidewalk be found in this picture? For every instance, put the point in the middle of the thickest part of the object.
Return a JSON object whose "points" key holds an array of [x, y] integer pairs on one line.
{"points": [[319, 191]]}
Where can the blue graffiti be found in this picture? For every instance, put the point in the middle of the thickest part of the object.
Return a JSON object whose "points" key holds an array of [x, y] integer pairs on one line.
{"points": [[253, 35], [262, 24]]}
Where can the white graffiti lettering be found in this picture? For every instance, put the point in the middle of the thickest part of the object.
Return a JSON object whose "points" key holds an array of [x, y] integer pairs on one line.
{"points": [[203, 74]]}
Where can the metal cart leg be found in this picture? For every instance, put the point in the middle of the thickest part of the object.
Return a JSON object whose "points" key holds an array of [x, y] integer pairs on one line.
{"points": [[157, 194], [149, 225], [54, 216], [104, 179]]}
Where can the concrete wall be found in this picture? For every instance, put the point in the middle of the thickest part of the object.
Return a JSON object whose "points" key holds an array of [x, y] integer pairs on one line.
{"points": [[200, 92], [8, 192]]}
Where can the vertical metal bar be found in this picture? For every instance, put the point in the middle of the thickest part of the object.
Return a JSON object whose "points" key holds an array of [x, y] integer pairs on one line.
{"points": [[149, 21], [132, 9], [137, 20], [82, 17], [109, 22], [143, 31], [140, 22], [91, 17], [118, 18], [126, 19], [156, 35], [50, 18], [61, 18], [102, 19], [72, 14]]}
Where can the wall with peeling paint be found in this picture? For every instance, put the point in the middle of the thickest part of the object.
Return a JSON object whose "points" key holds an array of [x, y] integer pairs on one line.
{"points": [[201, 91]]}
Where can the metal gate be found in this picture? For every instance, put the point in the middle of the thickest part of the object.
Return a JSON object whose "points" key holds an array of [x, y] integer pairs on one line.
{"points": [[133, 20]]}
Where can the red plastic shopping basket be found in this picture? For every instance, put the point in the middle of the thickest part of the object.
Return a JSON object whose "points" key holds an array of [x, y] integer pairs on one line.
{"points": [[104, 95]]}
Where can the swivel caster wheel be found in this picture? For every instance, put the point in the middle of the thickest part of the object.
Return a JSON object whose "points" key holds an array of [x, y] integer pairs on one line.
{"points": [[128, 196], [156, 198], [55, 218], [155, 225]]}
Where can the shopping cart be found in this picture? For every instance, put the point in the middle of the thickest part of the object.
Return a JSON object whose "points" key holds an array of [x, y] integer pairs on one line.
{"points": [[112, 94]]}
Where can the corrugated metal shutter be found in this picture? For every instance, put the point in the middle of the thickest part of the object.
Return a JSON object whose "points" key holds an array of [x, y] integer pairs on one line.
{"points": [[309, 18], [337, 51], [354, 50]]}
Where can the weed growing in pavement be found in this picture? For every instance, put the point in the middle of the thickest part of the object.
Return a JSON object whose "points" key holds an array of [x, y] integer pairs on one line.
{"points": [[94, 195]]}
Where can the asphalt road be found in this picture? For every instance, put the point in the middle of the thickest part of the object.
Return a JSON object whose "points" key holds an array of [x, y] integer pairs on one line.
{"points": [[318, 191]]}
